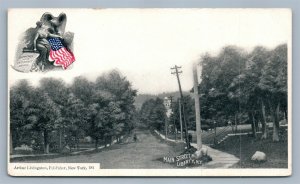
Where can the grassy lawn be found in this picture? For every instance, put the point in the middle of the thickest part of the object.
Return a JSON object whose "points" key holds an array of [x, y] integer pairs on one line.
{"points": [[245, 146], [208, 136]]}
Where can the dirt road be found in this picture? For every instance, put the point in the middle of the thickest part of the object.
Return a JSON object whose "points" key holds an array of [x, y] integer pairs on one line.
{"points": [[143, 154]]}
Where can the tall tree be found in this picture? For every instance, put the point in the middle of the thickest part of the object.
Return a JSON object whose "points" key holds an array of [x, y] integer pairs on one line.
{"points": [[20, 99], [273, 83], [218, 72], [77, 117], [123, 95], [58, 92], [245, 89], [83, 89], [45, 116], [153, 113]]}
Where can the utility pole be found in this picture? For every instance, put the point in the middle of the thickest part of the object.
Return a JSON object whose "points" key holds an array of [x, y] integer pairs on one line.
{"points": [[197, 108], [177, 72], [171, 107], [180, 119]]}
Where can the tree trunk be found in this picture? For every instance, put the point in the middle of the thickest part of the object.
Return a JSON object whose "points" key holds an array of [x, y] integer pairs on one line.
{"points": [[96, 143], [60, 140], [175, 131], [256, 117], [276, 124], [77, 143], [215, 131], [10, 143], [235, 122], [264, 122], [252, 124], [46, 142], [286, 115]]}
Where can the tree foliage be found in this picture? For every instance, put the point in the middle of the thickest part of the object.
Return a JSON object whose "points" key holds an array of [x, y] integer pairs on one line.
{"points": [[239, 86], [54, 113], [153, 113]]}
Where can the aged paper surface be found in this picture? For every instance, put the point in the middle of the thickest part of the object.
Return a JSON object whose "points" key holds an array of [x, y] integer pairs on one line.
{"points": [[149, 92]]}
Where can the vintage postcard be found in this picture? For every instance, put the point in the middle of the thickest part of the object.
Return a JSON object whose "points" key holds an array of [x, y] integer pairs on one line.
{"points": [[149, 92]]}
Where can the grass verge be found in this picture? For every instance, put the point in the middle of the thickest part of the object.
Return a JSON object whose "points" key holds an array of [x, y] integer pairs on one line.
{"points": [[245, 146]]}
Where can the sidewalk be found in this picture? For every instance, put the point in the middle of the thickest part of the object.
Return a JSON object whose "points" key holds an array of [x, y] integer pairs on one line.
{"points": [[220, 159]]}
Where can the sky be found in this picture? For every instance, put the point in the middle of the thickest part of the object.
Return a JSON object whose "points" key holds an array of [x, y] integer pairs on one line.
{"points": [[143, 44]]}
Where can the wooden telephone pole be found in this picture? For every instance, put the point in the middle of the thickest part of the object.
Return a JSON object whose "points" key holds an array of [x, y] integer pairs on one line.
{"points": [[174, 124], [180, 119], [177, 72], [197, 108]]}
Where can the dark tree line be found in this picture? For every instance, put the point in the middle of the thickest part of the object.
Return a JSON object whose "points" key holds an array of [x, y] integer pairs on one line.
{"points": [[54, 114], [153, 114], [245, 87], [237, 87]]}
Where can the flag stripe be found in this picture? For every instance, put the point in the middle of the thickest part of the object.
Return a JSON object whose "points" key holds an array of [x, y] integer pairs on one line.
{"points": [[59, 54]]}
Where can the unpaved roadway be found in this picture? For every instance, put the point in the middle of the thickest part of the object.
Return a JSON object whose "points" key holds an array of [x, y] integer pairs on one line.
{"points": [[143, 154]]}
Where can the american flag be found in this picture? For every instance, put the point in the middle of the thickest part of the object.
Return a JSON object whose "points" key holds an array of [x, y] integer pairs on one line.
{"points": [[60, 54]]}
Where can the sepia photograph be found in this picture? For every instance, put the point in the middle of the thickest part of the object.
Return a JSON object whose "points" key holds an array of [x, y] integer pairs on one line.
{"points": [[149, 92]]}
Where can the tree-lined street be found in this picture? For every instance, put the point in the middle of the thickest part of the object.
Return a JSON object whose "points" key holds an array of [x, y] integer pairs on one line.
{"points": [[142, 154], [240, 96], [147, 152]]}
